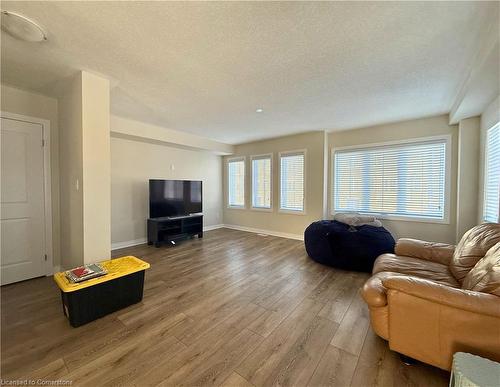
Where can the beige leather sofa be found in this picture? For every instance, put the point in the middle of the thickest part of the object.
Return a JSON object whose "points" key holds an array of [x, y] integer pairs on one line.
{"points": [[430, 300]]}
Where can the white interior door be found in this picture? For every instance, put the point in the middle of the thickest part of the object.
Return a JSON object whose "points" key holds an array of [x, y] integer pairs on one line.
{"points": [[22, 201]]}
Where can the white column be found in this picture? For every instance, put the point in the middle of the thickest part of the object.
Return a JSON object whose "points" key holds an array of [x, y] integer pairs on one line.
{"points": [[84, 119], [468, 175], [96, 159]]}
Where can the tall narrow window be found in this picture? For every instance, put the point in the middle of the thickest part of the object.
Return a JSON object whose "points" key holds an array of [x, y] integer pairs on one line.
{"points": [[402, 180], [292, 181], [261, 182], [236, 183], [491, 207]]}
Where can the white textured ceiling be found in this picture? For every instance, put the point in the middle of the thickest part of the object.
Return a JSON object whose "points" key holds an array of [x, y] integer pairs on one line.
{"points": [[204, 67]]}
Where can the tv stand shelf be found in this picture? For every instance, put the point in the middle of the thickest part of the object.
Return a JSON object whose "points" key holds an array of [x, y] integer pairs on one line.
{"points": [[174, 229]]}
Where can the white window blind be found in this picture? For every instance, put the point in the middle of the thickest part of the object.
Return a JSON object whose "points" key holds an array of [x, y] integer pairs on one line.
{"points": [[261, 181], [292, 181], [492, 176], [404, 180], [236, 183]]}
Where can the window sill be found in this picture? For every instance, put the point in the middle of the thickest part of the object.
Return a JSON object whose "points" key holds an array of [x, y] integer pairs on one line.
{"points": [[445, 221], [236, 207], [291, 212], [262, 209]]}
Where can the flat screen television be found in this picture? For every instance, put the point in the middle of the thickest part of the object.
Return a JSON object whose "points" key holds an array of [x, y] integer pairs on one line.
{"points": [[174, 198]]}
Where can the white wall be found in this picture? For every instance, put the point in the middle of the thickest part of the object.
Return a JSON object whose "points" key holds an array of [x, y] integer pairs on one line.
{"points": [[275, 221], [133, 163], [85, 165], [27, 103], [489, 118], [70, 121], [141, 131], [468, 174], [460, 218], [96, 168], [425, 127]]}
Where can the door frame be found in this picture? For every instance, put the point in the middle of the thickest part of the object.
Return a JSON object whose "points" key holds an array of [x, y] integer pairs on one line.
{"points": [[48, 265]]}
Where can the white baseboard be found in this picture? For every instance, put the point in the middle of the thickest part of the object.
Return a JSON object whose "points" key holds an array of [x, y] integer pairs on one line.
{"points": [[298, 237], [122, 245], [140, 241], [214, 227]]}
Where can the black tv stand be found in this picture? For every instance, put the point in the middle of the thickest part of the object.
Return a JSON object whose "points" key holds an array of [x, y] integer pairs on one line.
{"points": [[174, 229]]}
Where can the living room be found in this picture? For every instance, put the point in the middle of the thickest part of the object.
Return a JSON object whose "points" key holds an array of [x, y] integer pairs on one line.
{"points": [[294, 181]]}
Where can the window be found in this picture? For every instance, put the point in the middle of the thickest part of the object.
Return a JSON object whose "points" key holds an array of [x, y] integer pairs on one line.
{"points": [[399, 180], [491, 207], [236, 182], [292, 181], [261, 182]]}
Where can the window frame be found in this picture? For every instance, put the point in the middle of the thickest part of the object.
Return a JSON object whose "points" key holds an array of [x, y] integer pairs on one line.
{"points": [[228, 161], [261, 157], [304, 200], [485, 177], [446, 138]]}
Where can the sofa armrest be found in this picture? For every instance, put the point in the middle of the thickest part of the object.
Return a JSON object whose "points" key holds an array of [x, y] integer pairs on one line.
{"points": [[430, 251], [476, 302], [374, 292]]}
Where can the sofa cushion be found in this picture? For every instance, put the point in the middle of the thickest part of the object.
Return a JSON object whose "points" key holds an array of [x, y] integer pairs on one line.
{"points": [[430, 251], [415, 267], [485, 276], [472, 247]]}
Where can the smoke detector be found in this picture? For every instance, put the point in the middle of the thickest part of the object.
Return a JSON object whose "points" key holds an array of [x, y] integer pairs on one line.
{"points": [[22, 28]]}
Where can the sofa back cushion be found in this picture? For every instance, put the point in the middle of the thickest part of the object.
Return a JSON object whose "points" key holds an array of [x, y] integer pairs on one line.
{"points": [[485, 276], [472, 247]]}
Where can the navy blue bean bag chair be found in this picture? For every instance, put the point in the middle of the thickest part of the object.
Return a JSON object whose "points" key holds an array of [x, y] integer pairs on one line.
{"points": [[339, 245]]}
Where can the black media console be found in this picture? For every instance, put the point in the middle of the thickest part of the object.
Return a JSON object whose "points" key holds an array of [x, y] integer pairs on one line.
{"points": [[174, 229]]}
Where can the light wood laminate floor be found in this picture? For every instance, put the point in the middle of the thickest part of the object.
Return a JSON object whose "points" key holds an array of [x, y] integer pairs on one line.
{"points": [[231, 309]]}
